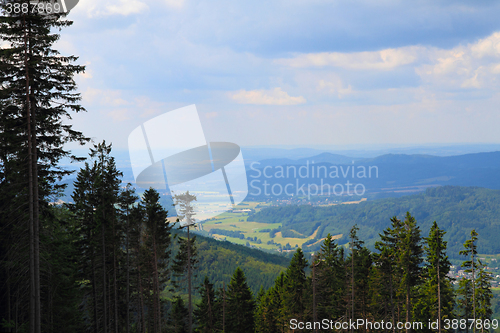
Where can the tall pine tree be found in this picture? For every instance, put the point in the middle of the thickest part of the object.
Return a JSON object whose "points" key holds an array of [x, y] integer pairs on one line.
{"points": [[37, 95], [240, 305], [436, 293]]}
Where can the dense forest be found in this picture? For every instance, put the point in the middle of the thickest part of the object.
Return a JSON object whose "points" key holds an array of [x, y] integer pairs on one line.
{"points": [[111, 262], [458, 210]]}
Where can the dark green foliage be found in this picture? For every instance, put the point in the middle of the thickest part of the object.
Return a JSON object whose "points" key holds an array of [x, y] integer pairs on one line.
{"points": [[63, 292], [179, 266], [208, 312], [240, 305], [471, 265], [357, 266], [295, 286], [477, 286], [37, 96], [330, 280], [178, 322], [408, 262], [484, 295], [157, 242], [217, 260], [96, 229], [436, 298], [229, 233], [464, 299], [268, 314], [384, 275]]}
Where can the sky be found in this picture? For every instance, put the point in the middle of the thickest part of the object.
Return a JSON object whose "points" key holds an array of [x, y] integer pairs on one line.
{"points": [[291, 73]]}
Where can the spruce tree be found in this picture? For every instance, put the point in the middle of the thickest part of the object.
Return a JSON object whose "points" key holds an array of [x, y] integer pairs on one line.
{"points": [[409, 262], [295, 286], [186, 258], [126, 202], [464, 300], [206, 313], [470, 266], [484, 296], [107, 183], [330, 280], [178, 321], [240, 305], [157, 239], [436, 293], [387, 273], [480, 283], [37, 94], [358, 269], [95, 198], [86, 231]]}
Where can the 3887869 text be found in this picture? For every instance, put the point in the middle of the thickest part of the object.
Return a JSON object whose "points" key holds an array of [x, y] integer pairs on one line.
{"points": [[34, 7], [462, 324]]}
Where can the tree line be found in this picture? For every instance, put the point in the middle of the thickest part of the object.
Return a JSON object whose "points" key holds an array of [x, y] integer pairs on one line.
{"points": [[405, 280]]}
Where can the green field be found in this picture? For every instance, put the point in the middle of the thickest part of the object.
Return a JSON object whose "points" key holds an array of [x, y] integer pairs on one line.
{"points": [[237, 221]]}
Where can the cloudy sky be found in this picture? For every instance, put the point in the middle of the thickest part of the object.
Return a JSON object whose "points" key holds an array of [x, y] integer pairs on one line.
{"points": [[295, 72]]}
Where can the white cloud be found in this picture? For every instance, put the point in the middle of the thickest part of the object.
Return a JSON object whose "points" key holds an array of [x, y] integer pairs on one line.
{"points": [[211, 115], [119, 115], [121, 105], [377, 60], [489, 46], [174, 3], [108, 97], [127, 7], [474, 65], [266, 97], [95, 8], [335, 87]]}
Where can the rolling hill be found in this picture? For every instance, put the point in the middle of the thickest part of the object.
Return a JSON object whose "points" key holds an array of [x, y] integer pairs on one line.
{"points": [[387, 174], [457, 210]]}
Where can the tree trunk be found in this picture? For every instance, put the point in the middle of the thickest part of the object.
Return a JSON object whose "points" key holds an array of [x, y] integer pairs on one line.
{"points": [[128, 277], [190, 310], [36, 221], [408, 306], [315, 317], [223, 307], [439, 293], [473, 287], [114, 281], [141, 299], [392, 300], [9, 309], [104, 282], [352, 281], [31, 225], [94, 294], [156, 291]]}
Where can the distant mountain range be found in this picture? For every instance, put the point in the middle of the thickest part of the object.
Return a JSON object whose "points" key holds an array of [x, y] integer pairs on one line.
{"points": [[391, 174], [386, 174]]}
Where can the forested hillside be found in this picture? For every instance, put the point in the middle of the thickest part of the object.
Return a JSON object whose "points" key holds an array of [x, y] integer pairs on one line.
{"points": [[456, 209], [218, 259], [404, 284]]}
